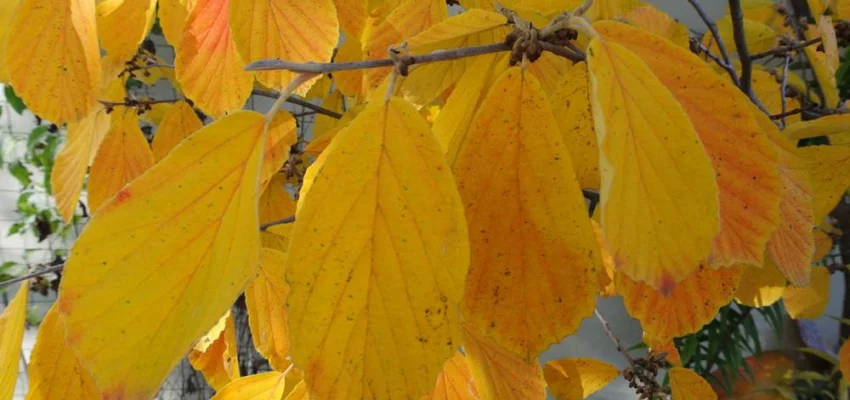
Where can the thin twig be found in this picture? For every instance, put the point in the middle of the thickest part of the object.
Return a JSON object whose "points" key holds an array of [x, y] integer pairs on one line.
{"points": [[442, 55], [287, 220], [783, 88], [55, 268], [737, 14], [136, 103], [607, 329], [787, 114], [783, 50], [712, 27], [273, 94], [727, 67], [800, 32]]}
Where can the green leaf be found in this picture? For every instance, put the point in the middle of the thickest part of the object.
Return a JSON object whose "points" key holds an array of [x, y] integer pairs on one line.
{"points": [[35, 137], [15, 228], [14, 101], [21, 173]]}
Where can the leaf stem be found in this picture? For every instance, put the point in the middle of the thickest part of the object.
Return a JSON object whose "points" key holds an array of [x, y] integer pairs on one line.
{"points": [[607, 329], [55, 268], [287, 220], [299, 80]]}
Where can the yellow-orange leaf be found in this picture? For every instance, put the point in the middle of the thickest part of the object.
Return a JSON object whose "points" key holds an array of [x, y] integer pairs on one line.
{"points": [[668, 347], [741, 153], [808, 302], [172, 18], [195, 213], [823, 245], [844, 359], [577, 378], [265, 297], [688, 385], [7, 14], [12, 324], [275, 202], [791, 245], [207, 63], [215, 355], [264, 386], [282, 135], [655, 171], [652, 20], [572, 110], [499, 374], [823, 126], [610, 9], [350, 83], [177, 124], [54, 371], [533, 250], [123, 155], [454, 382], [54, 63], [827, 168], [607, 271], [83, 141], [299, 392], [352, 16], [122, 25], [293, 30], [760, 37], [692, 304], [377, 260], [333, 101], [761, 287]]}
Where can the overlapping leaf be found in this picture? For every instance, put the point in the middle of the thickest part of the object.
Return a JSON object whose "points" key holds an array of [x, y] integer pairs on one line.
{"points": [[7, 14], [499, 373], [692, 304], [12, 324], [827, 168], [54, 64], [215, 355], [123, 24], [292, 30], [123, 155], [172, 18], [761, 287], [652, 20], [572, 110], [177, 124], [207, 64], [808, 302], [759, 37], [185, 231], [263, 386], [533, 249], [655, 171], [742, 155], [377, 260], [454, 382], [265, 297], [577, 378], [352, 16], [823, 126], [688, 385]]}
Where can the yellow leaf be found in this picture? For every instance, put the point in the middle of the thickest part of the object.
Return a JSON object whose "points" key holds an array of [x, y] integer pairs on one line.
{"points": [[54, 371], [12, 324], [688, 385], [275, 201], [377, 261], [207, 63], [544, 7], [7, 13], [499, 374], [454, 381], [692, 303], [572, 110], [761, 287], [823, 126], [767, 87], [829, 41], [172, 19], [350, 83], [760, 37], [808, 302], [293, 30], [195, 213], [215, 355], [740, 152], [471, 28], [352, 16], [122, 26], [281, 137], [54, 64], [824, 74], [123, 155], [83, 141], [610, 9], [452, 124], [606, 272], [264, 386], [265, 297], [652, 20], [405, 21], [823, 245], [827, 168], [841, 8], [334, 101], [533, 249], [791, 245], [319, 144], [299, 392], [655, 171], [577, 378], [844, 359], [177, 124]]}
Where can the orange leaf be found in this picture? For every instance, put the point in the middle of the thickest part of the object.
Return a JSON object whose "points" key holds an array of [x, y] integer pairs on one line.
{"points": [[215, 355], [54, 371], [84, 138], [844, 359], [692, 303], [688, 385], [577, 378], [177, 124], [454, 381], [533, 249], [123, 155], [498, 373], [742, 155], [54, 64], [293, 30], [770, 371], [207, 63]]}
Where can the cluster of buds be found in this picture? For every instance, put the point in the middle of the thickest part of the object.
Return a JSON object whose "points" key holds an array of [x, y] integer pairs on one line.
{"points": [[642, 376]]}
